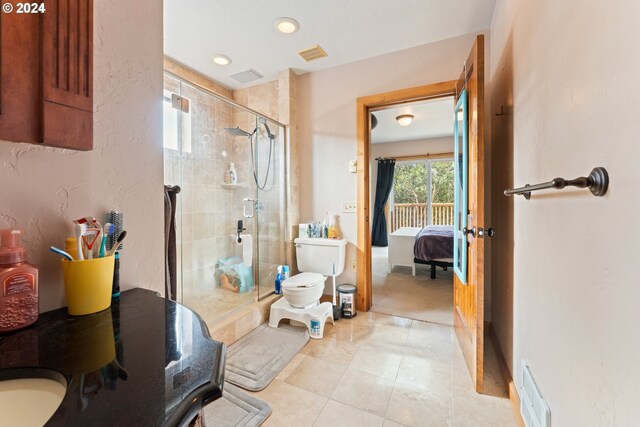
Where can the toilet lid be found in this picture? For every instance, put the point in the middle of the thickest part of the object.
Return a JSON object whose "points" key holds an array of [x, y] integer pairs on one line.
{"points": [[304, 280]]}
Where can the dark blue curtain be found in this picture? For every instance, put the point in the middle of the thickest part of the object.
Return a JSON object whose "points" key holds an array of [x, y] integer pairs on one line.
{"points": [[384, 184]]}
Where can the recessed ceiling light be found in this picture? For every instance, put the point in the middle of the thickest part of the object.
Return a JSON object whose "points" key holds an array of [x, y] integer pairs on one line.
{"points": [[404, 119], [286, 25], [221, 59]]}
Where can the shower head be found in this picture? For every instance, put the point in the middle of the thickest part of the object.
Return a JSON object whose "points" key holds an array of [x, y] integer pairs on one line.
{"points": [[236, 131]]}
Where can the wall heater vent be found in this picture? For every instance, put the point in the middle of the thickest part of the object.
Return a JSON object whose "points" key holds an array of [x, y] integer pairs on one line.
{"points": [[533, 408]]}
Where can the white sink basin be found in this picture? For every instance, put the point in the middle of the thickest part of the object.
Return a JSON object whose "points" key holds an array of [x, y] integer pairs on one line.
{"points": [[30, 400]]}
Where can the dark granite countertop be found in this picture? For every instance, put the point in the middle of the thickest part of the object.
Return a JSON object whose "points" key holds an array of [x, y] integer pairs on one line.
{"points": [[145, 361]]}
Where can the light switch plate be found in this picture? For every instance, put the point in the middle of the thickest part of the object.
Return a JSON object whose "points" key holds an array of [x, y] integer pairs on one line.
{"points": [[349, 207]]}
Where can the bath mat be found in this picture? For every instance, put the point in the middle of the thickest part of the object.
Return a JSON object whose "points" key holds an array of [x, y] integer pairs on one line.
{"points": [[255, 360], [236, 409]]}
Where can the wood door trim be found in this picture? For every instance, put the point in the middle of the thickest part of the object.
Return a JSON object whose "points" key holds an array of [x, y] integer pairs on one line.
{"points": [[364, 105], [506, 375]]}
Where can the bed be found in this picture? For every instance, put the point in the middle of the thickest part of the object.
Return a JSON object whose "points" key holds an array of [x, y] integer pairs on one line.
{"points": [[434, 247]]}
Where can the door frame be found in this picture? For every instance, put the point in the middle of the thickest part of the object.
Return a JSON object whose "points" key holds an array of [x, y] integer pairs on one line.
{"points": [[364, 106]]}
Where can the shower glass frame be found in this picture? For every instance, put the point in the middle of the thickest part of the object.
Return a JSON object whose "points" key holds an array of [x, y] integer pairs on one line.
{"points": [[264, 216]]}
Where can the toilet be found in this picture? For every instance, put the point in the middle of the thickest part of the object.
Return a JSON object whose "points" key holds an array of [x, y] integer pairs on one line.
{"points": [[316, 260]]}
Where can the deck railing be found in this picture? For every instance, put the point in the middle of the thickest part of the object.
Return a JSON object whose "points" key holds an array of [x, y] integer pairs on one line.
{"points": [[415, 215]]}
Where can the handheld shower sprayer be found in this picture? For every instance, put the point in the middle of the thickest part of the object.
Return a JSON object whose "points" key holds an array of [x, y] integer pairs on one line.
{"points": [[263, 122]]}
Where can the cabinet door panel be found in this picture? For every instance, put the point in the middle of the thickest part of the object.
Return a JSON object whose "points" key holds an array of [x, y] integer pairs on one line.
{"points": [[68, 73], [20, 88]]}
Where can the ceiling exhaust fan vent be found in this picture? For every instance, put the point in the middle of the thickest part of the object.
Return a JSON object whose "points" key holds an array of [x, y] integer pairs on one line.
{"points": [[313, 53], [247, 76]]}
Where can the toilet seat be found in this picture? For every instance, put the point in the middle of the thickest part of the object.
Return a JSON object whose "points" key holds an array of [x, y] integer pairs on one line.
{"points": [[303, 290], [303, 281]]}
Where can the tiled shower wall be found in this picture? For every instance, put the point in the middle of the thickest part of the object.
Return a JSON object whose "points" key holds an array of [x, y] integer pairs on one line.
{"points": [[264, 98], [278, 99]]}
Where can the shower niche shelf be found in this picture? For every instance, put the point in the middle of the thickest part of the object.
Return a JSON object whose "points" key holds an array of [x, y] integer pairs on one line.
{"points": [[232, 186]]}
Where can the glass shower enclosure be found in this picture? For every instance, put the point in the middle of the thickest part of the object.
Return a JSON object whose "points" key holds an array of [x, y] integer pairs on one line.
{"points": [[229, 162]]}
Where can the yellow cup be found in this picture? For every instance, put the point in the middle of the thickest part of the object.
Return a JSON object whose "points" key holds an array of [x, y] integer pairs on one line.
{"points": [[88, 285]]}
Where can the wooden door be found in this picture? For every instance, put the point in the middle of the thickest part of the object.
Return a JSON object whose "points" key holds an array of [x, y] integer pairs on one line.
{"points": [[468, 300]]}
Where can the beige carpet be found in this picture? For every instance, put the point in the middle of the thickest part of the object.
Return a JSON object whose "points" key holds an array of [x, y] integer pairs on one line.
{"points": [[398, 293]]}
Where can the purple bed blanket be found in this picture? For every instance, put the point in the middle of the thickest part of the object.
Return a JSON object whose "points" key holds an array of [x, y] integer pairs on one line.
{"points": [[434, 242]]}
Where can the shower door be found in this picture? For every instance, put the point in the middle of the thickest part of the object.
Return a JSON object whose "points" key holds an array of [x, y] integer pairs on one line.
{"points": [[217, 272], [269, 181]]}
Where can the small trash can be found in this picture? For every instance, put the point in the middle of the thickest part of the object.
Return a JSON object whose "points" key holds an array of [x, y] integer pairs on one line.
{"points": [[347, 300]]}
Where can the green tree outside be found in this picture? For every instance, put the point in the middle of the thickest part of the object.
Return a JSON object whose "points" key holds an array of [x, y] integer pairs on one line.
{"points": [[411, 180], [410, 183], [442, 182]]}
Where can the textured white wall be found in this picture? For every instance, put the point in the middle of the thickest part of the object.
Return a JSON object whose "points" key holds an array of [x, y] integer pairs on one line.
{"points": [[43, 189], [567, 75], [328, 121]]}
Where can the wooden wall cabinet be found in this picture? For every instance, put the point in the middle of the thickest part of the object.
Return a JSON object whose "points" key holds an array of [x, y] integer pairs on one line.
{"points": [[46, 75]]}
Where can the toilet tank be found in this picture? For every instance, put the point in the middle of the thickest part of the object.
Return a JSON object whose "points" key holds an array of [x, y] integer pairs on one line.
{"points": [[320, 255]]}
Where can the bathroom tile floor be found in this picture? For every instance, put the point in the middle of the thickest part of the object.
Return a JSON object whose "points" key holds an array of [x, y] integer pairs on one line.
{"points": [[381, 370]]}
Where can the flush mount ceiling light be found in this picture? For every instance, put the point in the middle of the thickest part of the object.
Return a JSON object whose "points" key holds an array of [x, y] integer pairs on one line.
{"points": [[404, 119], [220, 59], [286, 25]]}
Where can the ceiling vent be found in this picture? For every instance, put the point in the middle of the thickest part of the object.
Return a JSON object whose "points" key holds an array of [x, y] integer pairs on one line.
{"points": [[312, 53], [247, 76]]}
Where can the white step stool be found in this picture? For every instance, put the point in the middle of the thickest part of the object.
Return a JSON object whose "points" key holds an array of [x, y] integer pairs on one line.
{"points": [[281, 309]]}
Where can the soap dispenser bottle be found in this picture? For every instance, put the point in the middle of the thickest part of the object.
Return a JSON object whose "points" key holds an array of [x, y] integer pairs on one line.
{"points": [[18, 284], [232, 175]]}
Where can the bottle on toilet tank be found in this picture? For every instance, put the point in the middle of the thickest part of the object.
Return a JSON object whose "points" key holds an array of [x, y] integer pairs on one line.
{"points": [[325, 226], [18, 283]]}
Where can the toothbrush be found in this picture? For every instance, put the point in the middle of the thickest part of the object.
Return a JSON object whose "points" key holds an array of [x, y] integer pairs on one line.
{"points": [[108, 231], [96, 224], [80, 230], [121, 237], [90, 237], [61, 252]]}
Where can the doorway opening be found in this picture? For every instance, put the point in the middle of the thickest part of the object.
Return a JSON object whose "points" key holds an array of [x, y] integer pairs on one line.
{"points": [[380, 105], [417, 161]]}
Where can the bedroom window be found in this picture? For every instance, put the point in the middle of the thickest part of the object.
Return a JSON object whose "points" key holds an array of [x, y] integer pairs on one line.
{"points": [[422, 194]]}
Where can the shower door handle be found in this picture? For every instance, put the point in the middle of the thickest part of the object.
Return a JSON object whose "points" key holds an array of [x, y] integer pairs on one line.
{"points": [[252, 207]]}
